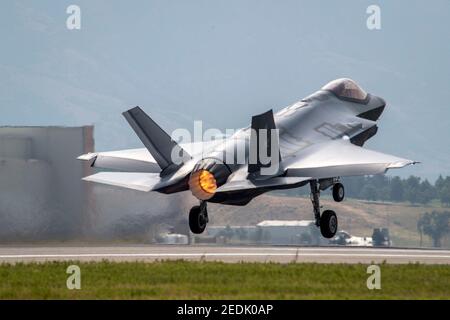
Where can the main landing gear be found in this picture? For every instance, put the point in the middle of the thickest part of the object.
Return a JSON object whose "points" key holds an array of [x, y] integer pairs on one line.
{"points": [[198, 218], [338, 192], [327, 221]]}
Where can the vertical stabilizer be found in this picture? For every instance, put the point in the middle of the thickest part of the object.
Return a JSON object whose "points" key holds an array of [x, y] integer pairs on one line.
{"points": [[266, 122], [156, 140]]}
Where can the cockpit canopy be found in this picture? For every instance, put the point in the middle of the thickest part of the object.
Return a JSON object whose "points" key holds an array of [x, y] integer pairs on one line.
{"points": [[346, 89]]}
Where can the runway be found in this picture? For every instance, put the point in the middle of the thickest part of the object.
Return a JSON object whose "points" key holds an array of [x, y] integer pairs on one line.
{"points": [[14, 254]]}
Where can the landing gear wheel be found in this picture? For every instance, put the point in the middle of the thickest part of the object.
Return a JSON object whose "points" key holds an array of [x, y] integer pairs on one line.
{"points": [[328, 224], [338, 192], [198, 219]]}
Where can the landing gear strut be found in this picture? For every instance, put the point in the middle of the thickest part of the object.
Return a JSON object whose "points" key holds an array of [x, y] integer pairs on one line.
{"points": [[327, 221], [315, 193], [198, 218]]}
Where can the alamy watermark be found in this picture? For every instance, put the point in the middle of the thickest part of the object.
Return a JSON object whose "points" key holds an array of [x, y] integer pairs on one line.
{"points": [[73, 21], [373, 21], [74, 280], [374, 280], [243, 146]]}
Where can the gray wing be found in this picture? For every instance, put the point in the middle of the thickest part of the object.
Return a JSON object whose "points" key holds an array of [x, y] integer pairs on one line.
{"points": [[335, 158], [338, 158]]}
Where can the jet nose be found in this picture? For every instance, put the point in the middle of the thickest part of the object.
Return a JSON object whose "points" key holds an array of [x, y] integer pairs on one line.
{"points": [[381, 103]]}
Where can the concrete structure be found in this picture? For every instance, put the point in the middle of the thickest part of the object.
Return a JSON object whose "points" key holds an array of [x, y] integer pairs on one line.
{"points": [[41, 194]]}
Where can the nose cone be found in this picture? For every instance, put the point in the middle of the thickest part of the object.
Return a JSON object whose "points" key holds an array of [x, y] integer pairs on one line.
{"points": [[376, 105]]}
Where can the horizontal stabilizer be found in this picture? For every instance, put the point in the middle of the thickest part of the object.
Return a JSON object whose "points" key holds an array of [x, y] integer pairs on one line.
{"points": [[144, 181], [132, 160], [130, 180]]}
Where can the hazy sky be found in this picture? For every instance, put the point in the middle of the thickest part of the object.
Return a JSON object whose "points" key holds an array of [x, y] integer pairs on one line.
{"points": [[224, 61]]}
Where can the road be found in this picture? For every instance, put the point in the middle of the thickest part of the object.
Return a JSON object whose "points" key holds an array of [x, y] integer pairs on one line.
{"points": [[150, 253]]}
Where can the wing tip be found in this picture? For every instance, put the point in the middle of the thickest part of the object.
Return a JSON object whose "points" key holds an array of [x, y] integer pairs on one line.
{"points": [[402, 163], [87, 156]]}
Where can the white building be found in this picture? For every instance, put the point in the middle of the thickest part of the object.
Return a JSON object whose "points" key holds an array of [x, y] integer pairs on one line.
{"points": [[289, 232]]}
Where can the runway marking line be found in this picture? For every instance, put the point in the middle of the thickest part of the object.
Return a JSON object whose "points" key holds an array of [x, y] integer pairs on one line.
{"points": [[225, 254], [348, 248]]}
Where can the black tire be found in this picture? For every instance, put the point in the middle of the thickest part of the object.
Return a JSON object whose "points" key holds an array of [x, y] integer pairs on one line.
{"points": [[328, 224], [197, 220], [338, 192]]}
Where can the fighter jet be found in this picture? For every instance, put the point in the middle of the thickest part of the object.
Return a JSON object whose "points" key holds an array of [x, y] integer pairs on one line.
{"points": [[314, 142]]}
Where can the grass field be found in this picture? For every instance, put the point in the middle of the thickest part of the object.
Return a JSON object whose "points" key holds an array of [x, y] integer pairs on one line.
{"points": [[214, 280]]}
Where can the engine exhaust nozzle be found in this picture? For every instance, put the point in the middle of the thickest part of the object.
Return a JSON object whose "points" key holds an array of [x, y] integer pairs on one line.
{"points": [[208, 175]]}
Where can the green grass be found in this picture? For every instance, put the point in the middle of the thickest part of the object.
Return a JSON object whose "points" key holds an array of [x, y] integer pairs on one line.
{"points": [[215, 280]]}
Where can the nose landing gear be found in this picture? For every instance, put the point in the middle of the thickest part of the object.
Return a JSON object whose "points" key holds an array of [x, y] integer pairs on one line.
{"points": [[327, 221], [198, 218]]}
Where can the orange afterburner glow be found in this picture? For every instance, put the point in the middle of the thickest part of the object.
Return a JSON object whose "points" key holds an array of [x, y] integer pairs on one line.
{"points": [[207, 181], [203, 184]]}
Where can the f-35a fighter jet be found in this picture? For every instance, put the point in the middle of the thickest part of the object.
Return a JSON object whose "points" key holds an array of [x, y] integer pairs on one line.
{"points": [[313, 142]]}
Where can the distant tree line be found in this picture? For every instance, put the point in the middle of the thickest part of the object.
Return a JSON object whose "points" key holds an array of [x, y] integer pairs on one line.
{"points": [[385, 188], [435, 225]]}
